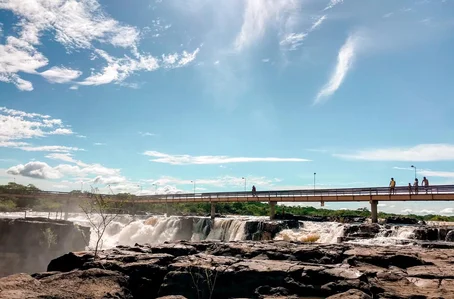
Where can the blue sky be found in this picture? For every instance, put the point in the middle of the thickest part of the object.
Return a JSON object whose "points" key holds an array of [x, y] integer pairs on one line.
{"points": [[149, 95]]}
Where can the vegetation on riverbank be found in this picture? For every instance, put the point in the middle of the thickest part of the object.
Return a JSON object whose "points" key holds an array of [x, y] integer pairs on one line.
{"points": [[13, 204]]}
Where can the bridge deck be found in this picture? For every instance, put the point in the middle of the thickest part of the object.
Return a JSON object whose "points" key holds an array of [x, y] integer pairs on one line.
{"points": [[434, 193]]}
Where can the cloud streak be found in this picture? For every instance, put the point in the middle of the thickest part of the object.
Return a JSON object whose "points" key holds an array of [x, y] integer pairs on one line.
{"points": [[344, 63], [188, 159], [418, 153]]}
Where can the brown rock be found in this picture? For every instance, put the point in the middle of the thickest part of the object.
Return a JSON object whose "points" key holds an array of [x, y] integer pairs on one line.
{"points": [[351, 294]]}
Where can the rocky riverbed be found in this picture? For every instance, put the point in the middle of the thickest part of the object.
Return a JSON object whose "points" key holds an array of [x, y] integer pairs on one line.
{"points": [[266, 269]]}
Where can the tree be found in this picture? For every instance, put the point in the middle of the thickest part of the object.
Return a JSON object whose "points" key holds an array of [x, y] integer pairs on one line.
{"points": [[100, 212]]}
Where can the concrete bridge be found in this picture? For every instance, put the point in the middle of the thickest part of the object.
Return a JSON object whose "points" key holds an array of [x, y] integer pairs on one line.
{"points": [[372, 195]]}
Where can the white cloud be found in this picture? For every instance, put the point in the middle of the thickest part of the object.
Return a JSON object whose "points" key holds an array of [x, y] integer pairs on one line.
{"points": [[407, 211], [74, 87], [144, 134], [42, 170], [418, 153], [39, 170], [99, 144], [425, 211], [62, 156], [81, 136], [265, 60], [187, 159], [118, 69], [344, 62], [293, 40], [223, 181], [318, 23], [447, 211], [109, 180], [258, 15], [61, 74], [62, 131], [388, 15], [333, 3], [50, 148], [76, 24], [18, 56], [18, 126]]}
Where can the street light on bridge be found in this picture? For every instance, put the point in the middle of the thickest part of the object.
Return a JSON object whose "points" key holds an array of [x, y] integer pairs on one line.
{"points": [[155, 188], [244, 183], [314, 180], [193, 182], [413, 166]]}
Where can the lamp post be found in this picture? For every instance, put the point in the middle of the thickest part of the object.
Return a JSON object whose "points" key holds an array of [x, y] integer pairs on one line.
{"points": [[413, 166], [244, 183], [193, 182], [314, 180], [140, 186], [155, 188]]}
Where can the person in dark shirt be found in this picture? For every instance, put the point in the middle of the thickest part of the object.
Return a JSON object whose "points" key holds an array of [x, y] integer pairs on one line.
{"points": [[254, 191]]}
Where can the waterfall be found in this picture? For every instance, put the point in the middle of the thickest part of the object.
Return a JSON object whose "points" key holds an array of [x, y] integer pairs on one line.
{"points": [[226, 229], [318, 232], [128, 230]]}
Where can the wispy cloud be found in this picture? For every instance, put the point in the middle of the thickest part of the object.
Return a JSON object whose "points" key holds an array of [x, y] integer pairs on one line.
{"points": [[187, 159], [293, 40], [50, 148], [333, 3], [317, 23], [259, 15], [99, 143], [344, 62], [422, 152], [144, 134], [222, 181]]}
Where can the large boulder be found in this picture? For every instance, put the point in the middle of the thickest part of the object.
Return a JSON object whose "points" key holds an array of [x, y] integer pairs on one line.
{"points": [[362, 231], [27, 245], [450, 236]]}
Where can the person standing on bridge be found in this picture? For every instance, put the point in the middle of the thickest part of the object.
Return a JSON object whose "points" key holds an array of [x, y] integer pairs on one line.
{"points": [[409, 188], [254, 191], [392, 186], [415, 185], [425, 183]]}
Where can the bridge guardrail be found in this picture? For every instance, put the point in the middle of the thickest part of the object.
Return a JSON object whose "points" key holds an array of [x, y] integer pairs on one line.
{"points": [[401, 190]]}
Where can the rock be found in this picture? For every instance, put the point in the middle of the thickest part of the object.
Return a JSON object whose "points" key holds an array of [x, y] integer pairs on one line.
{"points": [[401, 220], [243, 269], [351, 294], [362, 231], [450, 236], [267, 230], [427, 234], [27, 245], [92, 283]]}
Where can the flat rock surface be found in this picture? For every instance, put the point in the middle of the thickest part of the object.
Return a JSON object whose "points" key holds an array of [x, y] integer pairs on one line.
{"points": [[267, 269]]}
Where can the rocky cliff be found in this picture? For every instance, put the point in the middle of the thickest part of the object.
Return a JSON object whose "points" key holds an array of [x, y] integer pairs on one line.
{"points": [[267, 269], [28, 245]]}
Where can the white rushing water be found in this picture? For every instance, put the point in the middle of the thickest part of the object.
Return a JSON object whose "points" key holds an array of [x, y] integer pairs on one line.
{"points": [[318, 232], [128, 230]]}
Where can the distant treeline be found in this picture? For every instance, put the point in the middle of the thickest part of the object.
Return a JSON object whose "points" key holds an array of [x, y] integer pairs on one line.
{"points": [[9, 203]]}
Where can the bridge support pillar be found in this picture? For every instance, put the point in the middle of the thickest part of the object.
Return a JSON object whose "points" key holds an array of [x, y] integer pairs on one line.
{"points": [[213, 210], [272, 210], [374, 211]]}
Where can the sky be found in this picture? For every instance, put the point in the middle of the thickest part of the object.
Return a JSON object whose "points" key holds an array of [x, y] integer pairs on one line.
{"points": [[167, 96]]}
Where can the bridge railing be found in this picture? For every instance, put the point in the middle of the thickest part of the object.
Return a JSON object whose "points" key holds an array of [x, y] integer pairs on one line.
{"points": [[401, 190]]}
